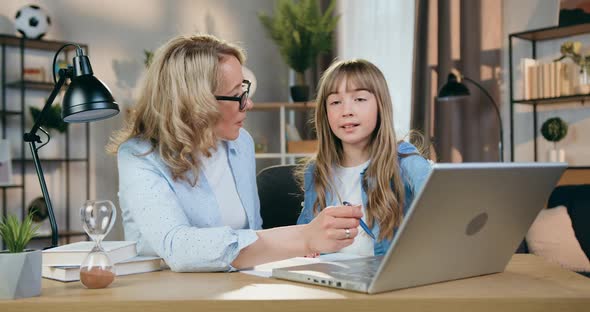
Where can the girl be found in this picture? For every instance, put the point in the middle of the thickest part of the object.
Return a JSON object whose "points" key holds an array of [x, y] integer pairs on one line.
{"points": [[187, 173], [358, 160]]}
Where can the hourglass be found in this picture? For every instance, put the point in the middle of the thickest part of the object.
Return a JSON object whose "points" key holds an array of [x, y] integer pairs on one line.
{"points": [[98, 217]]}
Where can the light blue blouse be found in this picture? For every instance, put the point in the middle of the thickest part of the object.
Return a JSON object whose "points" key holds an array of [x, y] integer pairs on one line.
{"points": [[414, 172], [179, 222]]}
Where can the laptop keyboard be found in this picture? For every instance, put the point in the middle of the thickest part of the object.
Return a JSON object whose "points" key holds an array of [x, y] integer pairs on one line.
{"points": [[358, 268]]}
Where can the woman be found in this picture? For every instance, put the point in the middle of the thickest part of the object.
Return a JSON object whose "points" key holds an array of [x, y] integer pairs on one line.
{"points": [[187, 176]]}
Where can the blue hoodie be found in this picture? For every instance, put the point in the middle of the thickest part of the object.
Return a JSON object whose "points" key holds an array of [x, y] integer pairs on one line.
{"points": [[414, 171]]}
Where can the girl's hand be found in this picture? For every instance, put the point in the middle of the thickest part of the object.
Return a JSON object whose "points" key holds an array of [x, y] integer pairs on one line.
{"points": [[333, 229]]}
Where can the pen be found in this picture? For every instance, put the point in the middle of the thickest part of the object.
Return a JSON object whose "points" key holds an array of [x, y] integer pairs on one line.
{"points": [[362, 223]]}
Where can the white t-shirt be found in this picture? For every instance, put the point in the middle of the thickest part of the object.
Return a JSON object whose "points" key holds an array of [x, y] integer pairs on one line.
{"points": [[347, 181], [221, 180]]}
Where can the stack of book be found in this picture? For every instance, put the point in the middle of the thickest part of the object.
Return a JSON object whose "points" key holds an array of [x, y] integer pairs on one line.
{"points": [[63, 263], [547, 79]]}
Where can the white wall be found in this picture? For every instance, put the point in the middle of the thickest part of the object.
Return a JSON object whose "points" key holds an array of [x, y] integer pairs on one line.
{"points": [[118, 31], [382, 31], [525, 15]]}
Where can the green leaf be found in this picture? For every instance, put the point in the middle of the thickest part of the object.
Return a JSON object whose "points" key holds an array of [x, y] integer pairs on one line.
{"points": [[554, 129], [52, 120], [16, 234], [300, 30], [148, 57]]}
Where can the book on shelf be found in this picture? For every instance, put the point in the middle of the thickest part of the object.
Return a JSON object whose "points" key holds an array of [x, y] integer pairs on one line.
{"points": [[558, 81], [532, 79], [547, 79], [135, 265], [73, 254], [526, 66]]}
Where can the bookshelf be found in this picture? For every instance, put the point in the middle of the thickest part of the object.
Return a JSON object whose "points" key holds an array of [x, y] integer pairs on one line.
{"points": [[283, 108], [555, 100], [534, 37], [17, 94]]}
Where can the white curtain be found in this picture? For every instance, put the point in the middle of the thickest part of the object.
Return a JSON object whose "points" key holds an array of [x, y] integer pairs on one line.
{"points": [[382, 32]]}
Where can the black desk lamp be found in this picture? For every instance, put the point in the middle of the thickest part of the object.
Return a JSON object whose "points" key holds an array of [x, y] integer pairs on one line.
{"points": [[455, 89], [86, 99]]}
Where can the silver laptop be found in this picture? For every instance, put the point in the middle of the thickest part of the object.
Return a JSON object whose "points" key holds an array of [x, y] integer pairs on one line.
{"points": [[468, 220]]}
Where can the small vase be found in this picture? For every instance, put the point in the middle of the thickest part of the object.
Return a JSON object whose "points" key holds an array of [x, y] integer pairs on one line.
{"points": [[556, 155], [583, 86]]}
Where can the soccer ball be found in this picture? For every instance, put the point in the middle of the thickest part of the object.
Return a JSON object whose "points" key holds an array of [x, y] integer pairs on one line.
{"points": [[32, 22]]}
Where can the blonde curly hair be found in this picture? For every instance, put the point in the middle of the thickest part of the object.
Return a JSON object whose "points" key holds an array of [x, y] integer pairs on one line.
{"points": [[177, 111]]}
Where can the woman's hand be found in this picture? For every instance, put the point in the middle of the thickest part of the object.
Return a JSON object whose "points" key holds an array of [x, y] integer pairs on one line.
{"points": [[333, 229]]}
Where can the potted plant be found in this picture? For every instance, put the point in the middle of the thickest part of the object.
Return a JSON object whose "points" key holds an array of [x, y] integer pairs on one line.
{"points": [[302, 32], [52, 120], [554, 130], [573, 51], [148, 57], [20, 268]]}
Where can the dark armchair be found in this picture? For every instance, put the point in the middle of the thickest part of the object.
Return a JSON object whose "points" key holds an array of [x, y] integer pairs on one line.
{"points": [[280, 196]]}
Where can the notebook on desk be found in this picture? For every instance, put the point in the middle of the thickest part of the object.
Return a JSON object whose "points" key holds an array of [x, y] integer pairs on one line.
{"points": [[135, 265], [73, 254], [467, 221]]}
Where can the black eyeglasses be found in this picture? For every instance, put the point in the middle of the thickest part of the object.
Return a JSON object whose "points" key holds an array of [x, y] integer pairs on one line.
{"points": [[242, 99]]}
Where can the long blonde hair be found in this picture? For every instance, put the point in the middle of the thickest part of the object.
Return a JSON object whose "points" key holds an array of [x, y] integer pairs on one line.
{"points": [[382, 180], [177, 111]]}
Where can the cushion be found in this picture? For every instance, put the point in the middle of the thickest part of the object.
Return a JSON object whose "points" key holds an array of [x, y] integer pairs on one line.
{"points": [[552, 237]]}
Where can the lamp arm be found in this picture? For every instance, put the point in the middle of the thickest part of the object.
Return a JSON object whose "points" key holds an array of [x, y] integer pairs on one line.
{"points": [[32, 138], [501, 147], [54, 235]]}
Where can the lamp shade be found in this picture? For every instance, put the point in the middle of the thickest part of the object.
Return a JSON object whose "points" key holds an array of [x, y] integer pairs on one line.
{"points": [[88, 99], [452, 89]]}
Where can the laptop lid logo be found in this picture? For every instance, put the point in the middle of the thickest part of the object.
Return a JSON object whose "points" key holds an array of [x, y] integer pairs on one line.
{"points": [[476, 224]]}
